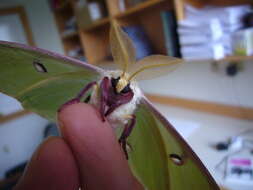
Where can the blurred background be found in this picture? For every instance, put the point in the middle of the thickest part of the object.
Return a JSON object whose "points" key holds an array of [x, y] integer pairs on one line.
{"points": [[209, 99]]}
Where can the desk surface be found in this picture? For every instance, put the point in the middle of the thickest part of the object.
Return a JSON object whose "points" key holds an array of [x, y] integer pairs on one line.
{"points": [[211, 129]]}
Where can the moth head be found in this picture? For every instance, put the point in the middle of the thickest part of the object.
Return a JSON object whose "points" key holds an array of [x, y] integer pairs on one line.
{"points": [[121, 84]]}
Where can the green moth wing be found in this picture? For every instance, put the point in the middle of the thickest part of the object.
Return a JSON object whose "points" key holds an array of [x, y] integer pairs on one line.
{"points": [[41, 80], [160, 158]]}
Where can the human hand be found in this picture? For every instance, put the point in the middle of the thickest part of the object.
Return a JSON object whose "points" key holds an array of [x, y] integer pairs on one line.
{"points": [[87, 155]]}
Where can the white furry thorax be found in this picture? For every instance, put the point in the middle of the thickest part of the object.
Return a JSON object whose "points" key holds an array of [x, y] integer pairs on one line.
{"points": [[120, 116]]}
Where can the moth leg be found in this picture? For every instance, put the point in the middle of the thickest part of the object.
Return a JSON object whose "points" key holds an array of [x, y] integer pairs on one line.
{"points": [[105, 87], [78, 98], [126, 132], [96, 90], [84, 90]]}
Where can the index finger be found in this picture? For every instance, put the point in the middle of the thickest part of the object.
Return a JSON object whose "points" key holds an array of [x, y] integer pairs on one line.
{"points": [[100, 160]]}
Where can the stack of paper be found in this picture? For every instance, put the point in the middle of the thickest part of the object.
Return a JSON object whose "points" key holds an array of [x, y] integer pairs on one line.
{"points": [[206, 33]]}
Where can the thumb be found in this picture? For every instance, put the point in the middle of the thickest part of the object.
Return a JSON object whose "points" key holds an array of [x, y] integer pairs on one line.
{"points": [[98, 155]]}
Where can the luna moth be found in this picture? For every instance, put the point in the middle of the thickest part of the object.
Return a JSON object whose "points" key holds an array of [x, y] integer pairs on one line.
{"points": [[45, 82]]}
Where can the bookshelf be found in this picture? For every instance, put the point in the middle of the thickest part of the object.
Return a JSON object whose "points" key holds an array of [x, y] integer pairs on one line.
{"points": [[138, 8], [97, 24], [94, 38], [62, 14], [201, 3]]}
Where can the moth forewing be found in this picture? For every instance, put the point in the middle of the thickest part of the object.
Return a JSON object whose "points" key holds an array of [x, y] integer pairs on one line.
{"points": [[122, 48]]}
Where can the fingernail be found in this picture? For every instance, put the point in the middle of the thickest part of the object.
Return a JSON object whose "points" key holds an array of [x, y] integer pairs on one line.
{"points": [[68, 103]]}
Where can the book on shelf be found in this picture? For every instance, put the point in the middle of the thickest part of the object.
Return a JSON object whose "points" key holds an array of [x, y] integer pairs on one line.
{"points": [[197, 33], [170, 33], [207, 33], [140, 41], [228, 14]]}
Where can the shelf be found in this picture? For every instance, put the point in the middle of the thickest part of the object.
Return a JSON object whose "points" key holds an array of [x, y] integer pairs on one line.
{"points": [[70, 35], [201, 4], [139, 7], [93, 36], [236, 58], [231, 58], [97, 23]]}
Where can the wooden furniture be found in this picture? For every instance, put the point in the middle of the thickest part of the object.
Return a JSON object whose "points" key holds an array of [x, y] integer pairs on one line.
{"points": [[94, 39], [237, 112], [201, 3], [62, 15]]}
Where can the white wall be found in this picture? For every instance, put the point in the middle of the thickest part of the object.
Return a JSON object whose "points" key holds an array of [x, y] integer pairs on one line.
{"points": [[43, 25], [198, 81], [41, 21], [11, 29]]}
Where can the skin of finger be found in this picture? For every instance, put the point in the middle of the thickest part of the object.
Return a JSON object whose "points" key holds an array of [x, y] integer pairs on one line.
{"points": [[51, 167], [100, 159]]}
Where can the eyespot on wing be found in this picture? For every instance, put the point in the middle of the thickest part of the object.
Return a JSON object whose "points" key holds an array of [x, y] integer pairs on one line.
{"points": [[39, 67]]}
